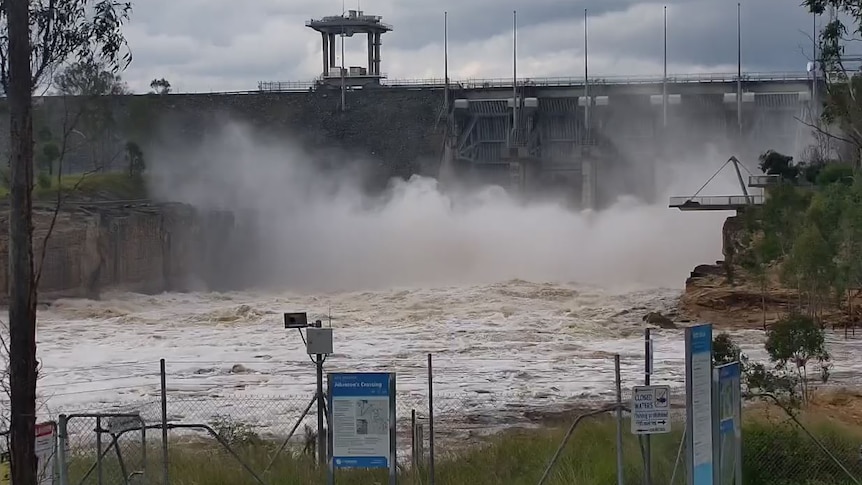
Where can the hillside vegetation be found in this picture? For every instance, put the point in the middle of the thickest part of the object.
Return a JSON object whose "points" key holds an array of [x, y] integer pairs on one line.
{"points": [[800, 251]]}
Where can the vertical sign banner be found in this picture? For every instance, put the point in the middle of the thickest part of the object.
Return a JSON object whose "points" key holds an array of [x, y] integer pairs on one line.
{"points": [[362, 410], [46, 449], [729, 414], [698, 397]]}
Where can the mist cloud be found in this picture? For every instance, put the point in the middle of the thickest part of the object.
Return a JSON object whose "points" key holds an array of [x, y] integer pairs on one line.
{"points": [[320, 232]]}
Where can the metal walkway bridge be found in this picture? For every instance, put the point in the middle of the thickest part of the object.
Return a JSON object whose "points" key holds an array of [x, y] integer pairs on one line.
{"points": [[727, 202], [715, 202]]}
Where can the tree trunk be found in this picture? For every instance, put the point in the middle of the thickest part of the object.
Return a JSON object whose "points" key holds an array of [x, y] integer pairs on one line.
{"points": [[22, 292]]}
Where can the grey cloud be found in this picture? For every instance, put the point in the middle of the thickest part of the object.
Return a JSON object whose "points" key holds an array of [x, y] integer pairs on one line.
{"points": [[208, 40], [699, 32], [216, 20]]}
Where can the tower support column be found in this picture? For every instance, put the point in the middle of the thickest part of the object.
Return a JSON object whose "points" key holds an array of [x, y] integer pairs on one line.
{"points": [[370, 37], [377, 53], [325, 53], [331, 51]]}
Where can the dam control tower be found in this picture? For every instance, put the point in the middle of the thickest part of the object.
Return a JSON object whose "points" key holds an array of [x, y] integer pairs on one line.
{"points": [[355, 22]]}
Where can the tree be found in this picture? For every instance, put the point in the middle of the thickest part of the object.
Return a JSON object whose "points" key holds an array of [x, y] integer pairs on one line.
{"points": [[726, 351], [160, 86], [793, 343], [755, 376], [22, 292], [63, 30], [755, 262], [35, 36], [89, 77], [774, 163], [87, 87], [843, 107], [135, 157], [848, 247], [811, 267], [47, 153]]}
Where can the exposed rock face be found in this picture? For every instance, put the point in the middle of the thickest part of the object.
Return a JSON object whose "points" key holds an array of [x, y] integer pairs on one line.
{"points": [[723, 295], [144, 248]]}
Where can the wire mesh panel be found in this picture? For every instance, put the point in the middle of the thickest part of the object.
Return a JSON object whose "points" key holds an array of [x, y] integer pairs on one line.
{"points": [[106, 449]]}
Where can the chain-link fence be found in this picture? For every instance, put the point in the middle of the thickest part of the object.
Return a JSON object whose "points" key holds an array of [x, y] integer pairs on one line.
{"points": [[784, 446], [103, 448], [226, 435]]}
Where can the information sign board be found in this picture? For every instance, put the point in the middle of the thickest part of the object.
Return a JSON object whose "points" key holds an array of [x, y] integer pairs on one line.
{"points": [[362, 420], [698, 396]]}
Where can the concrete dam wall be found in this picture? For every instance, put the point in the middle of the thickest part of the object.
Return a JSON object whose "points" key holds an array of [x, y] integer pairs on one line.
{"points": [[143, 248], [396, 133]]}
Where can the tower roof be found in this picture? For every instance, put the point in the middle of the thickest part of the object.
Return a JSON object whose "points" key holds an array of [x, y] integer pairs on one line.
{"points": [[354, 22]]}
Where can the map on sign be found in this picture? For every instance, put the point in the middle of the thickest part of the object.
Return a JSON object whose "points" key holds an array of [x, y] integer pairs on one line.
{"points": [[650, 410], [372, 417]]}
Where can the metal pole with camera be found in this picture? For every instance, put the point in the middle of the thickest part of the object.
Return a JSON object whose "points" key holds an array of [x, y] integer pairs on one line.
{"points": [[318, 342]]}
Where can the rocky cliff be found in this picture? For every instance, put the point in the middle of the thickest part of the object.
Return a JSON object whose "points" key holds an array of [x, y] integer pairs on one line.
{"points": [[144, 247], [725, 295]]}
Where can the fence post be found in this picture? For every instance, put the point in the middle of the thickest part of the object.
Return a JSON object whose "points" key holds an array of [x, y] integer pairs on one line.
{"points": [[430, 422], [62, 439], [413, 440], [99, 473], [618, 379], [420, 445], [164, 386], [647, 441]]}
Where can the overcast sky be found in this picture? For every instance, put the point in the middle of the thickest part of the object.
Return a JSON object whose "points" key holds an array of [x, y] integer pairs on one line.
{"points": [[223, 45]]}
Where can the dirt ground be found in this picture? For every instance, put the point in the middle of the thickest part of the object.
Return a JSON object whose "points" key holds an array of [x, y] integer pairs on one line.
{"points": [[834, 406], [744, 305]]}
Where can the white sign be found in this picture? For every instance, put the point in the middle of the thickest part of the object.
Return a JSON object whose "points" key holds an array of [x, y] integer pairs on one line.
{"points": [[121, 424], [46, 448], [650, 410]]}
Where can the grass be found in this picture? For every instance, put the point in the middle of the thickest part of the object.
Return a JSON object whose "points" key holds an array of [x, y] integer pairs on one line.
{"points": [[774, 453], [99, 185]]}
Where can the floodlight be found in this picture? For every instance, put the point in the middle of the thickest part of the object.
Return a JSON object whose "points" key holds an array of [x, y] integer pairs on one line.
{"points": [[296, 320]]}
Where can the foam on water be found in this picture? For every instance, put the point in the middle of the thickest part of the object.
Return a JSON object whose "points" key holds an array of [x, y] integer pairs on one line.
{"points": [[517, 342]]}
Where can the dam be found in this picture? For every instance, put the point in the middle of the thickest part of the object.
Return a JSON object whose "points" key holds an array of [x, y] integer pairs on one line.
{"points": [[598, 139], [589, 139], [550, 138]]}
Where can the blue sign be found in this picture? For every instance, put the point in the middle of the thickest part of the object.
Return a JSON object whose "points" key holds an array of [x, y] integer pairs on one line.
{"points": [[698, 386], [728, 397], [728, 404], [362, 419]]}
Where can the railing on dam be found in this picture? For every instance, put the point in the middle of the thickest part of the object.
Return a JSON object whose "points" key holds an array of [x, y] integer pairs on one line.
{"points": [[715, 202], [488, 83], [763, 180]]}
